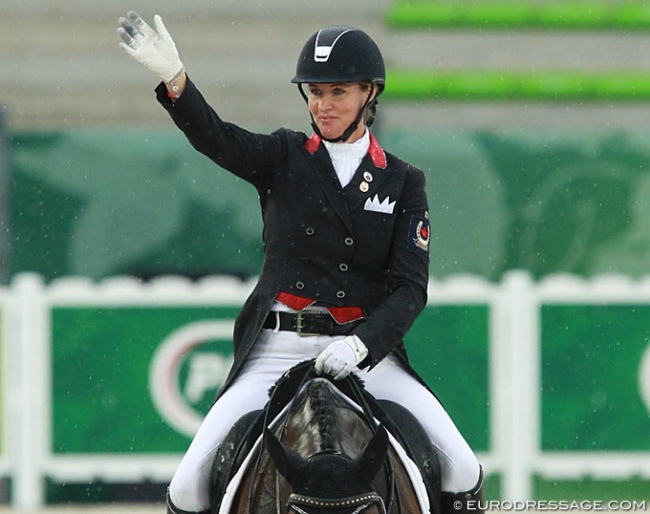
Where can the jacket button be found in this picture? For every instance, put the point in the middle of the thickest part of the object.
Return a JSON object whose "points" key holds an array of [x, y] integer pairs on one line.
{"points": [[304, 260], [300, 285], [343, 267], [349, 241], [340, 294], [310, 231]]}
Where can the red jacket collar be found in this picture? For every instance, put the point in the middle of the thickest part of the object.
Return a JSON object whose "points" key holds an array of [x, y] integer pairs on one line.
{"points": [[312, 143], [376, 152]]}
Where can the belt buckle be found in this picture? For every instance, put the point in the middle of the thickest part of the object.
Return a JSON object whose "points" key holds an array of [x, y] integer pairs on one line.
{"points": [[299, 326]]}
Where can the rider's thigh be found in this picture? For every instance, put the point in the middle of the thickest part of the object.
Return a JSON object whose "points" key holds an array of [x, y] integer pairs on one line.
{"points": [[190, 486], [389, 381], [273, 354]]}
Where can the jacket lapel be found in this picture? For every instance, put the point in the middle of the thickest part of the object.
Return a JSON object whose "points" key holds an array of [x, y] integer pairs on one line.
{"points": [[367, 180], [369, 177], [324, 170]]}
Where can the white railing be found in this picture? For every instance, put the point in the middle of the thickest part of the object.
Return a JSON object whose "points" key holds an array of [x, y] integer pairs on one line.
{"points": [[9, 394], [514, 370]]}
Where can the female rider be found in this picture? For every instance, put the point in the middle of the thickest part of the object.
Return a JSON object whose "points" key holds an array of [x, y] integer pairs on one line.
{"points": [[346, 246]]}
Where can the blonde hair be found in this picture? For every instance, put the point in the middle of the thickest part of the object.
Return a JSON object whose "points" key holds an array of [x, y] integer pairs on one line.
{"points": [[371, 109]]}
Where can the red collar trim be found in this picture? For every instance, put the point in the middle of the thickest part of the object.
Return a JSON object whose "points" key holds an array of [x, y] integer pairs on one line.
{"points": [[312, 143], [376, 152]]}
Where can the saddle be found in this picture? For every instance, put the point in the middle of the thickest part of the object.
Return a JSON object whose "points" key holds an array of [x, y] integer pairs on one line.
{"points": [[397, 420]]}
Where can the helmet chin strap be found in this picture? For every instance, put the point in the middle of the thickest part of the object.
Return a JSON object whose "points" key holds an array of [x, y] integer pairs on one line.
{"points": [[351, 128]]}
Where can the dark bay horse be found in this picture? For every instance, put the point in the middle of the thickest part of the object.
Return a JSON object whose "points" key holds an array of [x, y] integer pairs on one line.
{"points": [[317, 448]]}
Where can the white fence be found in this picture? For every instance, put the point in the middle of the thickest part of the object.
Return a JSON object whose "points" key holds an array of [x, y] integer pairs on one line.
{"points": [[515, 448]]}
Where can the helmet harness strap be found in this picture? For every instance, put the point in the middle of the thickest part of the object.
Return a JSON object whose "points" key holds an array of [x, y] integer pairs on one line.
{"points": [[353, 126]]}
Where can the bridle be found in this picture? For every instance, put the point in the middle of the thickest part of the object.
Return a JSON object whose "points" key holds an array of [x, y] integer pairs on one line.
{"points": [[299, 503]]}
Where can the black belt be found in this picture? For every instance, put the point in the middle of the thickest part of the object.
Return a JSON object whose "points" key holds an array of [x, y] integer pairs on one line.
{"points": [[309, 324]]}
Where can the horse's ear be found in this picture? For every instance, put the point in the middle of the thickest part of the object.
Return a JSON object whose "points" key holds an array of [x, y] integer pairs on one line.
{"points": [[374, 455], [288, 463]]}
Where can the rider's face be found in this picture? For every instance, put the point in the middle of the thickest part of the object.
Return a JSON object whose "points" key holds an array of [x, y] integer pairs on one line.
{"points": [[335, 106]]}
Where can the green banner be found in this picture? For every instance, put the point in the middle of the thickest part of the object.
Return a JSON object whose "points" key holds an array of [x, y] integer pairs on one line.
{"points": [[102, 362], [594, 379], [102, 203], [449, 347], [110, 364]]}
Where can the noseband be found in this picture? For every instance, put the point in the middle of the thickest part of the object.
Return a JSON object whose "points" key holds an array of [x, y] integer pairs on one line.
{"points": [[357, 504]]}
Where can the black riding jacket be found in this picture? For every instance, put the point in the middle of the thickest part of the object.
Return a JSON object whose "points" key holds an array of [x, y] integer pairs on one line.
{"points": [[363, 245]]}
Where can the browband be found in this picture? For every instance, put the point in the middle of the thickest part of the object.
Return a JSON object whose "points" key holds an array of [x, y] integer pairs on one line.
{"points": [[323, 503]]}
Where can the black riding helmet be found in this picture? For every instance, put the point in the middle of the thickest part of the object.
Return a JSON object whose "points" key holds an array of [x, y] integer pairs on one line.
{"points": [[337, 55]]}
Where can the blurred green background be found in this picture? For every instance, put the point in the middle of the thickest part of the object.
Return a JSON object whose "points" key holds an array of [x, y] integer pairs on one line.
{"points": [[101, 203], [530, 120]]}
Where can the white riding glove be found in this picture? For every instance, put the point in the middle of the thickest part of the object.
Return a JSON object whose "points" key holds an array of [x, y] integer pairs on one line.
{"points": [[154, 49], [341, 357]]}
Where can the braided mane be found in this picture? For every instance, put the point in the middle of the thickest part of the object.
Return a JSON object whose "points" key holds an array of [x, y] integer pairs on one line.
{"points": [[319, 398]]}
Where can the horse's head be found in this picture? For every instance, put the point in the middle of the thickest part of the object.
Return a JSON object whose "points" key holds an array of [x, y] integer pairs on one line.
{"points": [[330, 481]]}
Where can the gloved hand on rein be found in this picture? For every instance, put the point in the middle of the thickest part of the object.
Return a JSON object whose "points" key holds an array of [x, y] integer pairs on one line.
{"points": [[154, 49], [341, 357]]}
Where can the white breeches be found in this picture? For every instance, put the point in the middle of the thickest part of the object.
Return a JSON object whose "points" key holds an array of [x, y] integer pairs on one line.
{"points": [[273, 354]]}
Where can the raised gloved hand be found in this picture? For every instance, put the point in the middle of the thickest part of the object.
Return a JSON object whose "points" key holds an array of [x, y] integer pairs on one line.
{"points": [[154, 49], [341, 357]]}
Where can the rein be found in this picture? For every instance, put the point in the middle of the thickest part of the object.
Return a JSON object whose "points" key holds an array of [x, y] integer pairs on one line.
{"points": [[274, 407], [360, 399]]}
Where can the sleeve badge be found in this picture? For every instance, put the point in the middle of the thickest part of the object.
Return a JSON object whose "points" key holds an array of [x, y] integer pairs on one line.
{"points": [[418, 236]]}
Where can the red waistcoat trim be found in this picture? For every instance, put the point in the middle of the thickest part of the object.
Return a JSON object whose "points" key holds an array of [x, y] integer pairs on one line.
{"points": [[342, 315], [295, 302]]}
